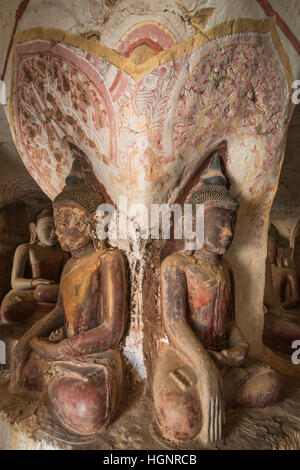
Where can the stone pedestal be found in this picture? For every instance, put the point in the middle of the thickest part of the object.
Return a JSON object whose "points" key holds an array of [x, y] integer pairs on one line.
{"points": [[26, 423]]}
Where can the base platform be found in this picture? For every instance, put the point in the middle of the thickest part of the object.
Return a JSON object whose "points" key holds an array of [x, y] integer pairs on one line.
{"points": [[25, 423]]}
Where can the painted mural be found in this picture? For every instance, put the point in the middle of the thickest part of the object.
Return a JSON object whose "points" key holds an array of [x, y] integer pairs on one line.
{"points": [[155, 124]]}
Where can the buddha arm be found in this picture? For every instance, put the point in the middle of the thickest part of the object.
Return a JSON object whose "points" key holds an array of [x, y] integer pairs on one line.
{"points": [[46, 325], [174, 298], [236, 340], [17, 276], [188, 346], [109, 333], [237, 347], [43, 327]]}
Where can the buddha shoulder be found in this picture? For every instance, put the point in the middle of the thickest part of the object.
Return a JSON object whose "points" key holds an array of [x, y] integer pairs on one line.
{"points": [[23, 250], [177, 260], [226, 266], [111, 256]]}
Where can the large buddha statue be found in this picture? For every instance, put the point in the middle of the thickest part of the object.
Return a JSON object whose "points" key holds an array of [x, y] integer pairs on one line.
{"points": [[205, 368], [72, 353], [37, 267]]}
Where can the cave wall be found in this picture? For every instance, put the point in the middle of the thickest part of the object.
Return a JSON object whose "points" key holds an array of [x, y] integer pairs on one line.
{"points": [[285, 212], [148, 90]]}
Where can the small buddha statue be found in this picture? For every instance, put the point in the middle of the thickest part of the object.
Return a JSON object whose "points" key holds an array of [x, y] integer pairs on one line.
{"points": [[72, 353], [285, 280], [205, 368], [281, 299], [37, 267]]}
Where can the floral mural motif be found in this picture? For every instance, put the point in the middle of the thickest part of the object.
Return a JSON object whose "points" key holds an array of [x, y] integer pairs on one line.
{"points": [[223, 97], [152, 127], [56, 103], [234, 93]]}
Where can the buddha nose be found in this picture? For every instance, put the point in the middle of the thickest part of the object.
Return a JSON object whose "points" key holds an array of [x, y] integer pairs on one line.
{"points": [[226, 232], [53, 234]]}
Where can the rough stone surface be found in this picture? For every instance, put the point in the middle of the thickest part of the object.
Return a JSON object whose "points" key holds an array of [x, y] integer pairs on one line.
{"points": [[285, 211]]}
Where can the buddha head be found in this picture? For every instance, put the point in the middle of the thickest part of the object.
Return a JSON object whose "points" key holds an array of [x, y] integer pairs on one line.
{"points": [[272, 246], [74, 211], [43, 231], [220, 208]]}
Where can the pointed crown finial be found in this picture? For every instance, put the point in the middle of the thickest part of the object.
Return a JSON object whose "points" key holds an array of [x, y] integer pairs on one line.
{"points": [[213, 188], [77, 189]]}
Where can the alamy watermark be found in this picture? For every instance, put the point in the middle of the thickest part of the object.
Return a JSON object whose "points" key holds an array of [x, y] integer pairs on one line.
{"points": [[2, 352], [296, 93], [160, 222], [296, 354]]}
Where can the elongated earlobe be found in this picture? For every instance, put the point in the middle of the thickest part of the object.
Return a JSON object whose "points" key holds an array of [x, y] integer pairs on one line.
{"points": [[98, 244], [33, 233]]}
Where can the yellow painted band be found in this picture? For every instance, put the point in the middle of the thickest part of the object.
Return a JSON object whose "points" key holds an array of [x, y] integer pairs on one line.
{"points": [[139, 71]]}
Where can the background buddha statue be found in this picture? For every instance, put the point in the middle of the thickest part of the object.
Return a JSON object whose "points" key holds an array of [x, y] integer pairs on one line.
{"points": [[80, 364], [205, 368], [281, 300], [284, 279], [36, 272]]}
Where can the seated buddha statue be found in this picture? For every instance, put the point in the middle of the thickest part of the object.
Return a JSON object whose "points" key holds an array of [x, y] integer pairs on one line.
{"points": [[205, 369], [37, 267], [285, 280], [281, 300], [72, 353]]}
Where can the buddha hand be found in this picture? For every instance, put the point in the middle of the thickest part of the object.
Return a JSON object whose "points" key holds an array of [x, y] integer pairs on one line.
{"points": [[230, 357], [212, 405], [45, 349], [235, 356], [52, 351]]}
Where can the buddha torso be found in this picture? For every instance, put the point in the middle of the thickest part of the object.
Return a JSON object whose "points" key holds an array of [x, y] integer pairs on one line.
{"points": [[209, 301], [82, 296], [45, 262], [282, 282]]}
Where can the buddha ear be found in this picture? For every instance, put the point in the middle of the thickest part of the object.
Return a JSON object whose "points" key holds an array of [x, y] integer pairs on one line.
{"points": [[33, 233], [92, 223]]}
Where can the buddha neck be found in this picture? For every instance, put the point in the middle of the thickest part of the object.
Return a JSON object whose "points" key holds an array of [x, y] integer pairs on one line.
{"points": [[86, 250], [43, 245], [83, 251], [206, 257]]}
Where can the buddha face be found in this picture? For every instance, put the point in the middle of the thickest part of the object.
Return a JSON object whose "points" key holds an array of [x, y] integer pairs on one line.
{"points": [[46, 231], [272, 250], [71, 226], [219, 226]]}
